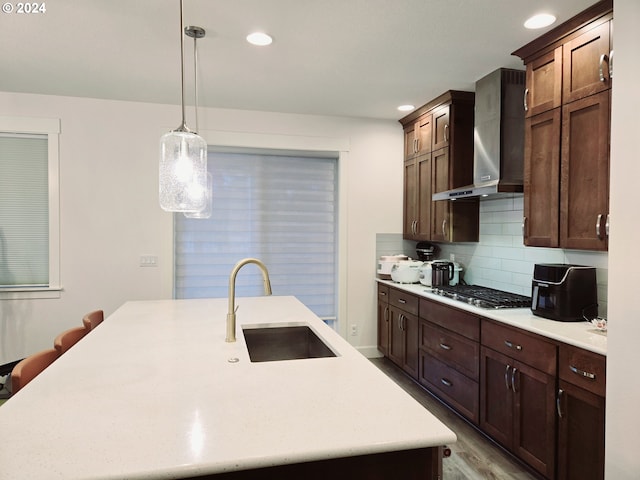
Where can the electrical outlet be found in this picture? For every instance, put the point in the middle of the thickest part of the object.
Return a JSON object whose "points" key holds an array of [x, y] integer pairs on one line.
{"points": [[148, 261], [354, 329]]}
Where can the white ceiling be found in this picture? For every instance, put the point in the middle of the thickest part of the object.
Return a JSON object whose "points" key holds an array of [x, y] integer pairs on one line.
{"points": [[358, 58]]}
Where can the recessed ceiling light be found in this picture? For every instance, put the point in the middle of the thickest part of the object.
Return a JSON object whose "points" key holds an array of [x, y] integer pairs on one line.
{"points": [[259, 38], [406, 108], [540, 20]]}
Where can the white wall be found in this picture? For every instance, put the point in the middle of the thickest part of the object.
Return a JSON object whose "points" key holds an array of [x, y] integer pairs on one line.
{"points": [[623, 352], [110, 214]]}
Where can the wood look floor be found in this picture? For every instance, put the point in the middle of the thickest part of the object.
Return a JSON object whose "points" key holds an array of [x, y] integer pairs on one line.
{"points": [[472, 456]]}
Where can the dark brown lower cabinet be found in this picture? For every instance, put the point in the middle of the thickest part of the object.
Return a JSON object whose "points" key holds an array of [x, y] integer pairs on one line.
{"points": [[383, 319], [581, 414], [517, 409], [580, 434], [403, 344]]}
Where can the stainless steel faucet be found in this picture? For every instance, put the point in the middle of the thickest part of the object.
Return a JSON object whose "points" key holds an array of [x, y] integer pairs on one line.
{"points": [[231, 315]]}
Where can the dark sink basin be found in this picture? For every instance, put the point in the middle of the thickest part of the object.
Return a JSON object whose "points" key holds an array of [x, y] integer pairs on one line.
{"points": [[269, 344]]}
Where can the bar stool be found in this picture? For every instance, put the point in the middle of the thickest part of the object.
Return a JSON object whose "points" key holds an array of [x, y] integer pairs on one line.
{"points": [[31, 367], [92, 319], [67, 339]]}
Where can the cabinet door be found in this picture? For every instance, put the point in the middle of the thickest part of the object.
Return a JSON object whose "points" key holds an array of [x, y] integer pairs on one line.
{"points": [[584, 202], [534, 417], [544, 83], [542, 179], [396, 337], [410, 212], [496, 397], [410, 142], [439, 183], [586, 64], [423, 129], [441, 131], [411, 331], [383, 327], [423, 207], [581, 425]]}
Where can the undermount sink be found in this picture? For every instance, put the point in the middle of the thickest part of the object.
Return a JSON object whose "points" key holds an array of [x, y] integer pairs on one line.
{"points": [[274, 343]]}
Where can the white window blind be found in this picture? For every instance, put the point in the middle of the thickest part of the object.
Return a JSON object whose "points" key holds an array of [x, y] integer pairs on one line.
{"points": [[24, 210], [279, 209]]}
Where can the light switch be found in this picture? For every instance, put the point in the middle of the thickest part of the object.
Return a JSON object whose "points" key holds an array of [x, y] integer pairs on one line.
{"points": [[148, 260]]}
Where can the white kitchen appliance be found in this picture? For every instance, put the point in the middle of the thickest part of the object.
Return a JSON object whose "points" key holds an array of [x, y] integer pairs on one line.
{"points": [[386, 262], [424, 275], [406, 271]]}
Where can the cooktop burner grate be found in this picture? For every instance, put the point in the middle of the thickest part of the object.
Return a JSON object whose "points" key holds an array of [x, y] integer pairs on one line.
{"points": [[483, 297]]}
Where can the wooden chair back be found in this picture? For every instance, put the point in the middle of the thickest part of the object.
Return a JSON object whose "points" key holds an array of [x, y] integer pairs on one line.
{"points": [[31, 367], [69, 338], [92, 319]]}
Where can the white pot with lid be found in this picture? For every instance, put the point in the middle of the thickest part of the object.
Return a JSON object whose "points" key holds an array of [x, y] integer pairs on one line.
{"points": [[406, 271], [386, 263]]}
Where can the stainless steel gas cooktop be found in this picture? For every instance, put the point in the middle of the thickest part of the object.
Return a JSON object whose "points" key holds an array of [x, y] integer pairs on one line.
{"points": [[483, 297]]}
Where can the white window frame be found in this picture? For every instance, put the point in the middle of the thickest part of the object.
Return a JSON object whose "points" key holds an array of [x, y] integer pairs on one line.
{"points": [[51, 128]]}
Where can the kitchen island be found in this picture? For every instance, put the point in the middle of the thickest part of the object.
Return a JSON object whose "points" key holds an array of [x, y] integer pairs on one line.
{"points": [[155, 392]]}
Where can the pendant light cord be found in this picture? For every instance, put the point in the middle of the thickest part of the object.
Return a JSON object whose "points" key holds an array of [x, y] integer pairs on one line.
{"points": [[183, 127], [195, 76]]}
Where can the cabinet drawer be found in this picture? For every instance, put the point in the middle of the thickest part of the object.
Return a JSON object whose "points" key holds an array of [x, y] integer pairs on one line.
{"points": [[460, 392], [583, 368], [463, 323], [404, 301], [383, 292], [452, 349], [529, 349]]}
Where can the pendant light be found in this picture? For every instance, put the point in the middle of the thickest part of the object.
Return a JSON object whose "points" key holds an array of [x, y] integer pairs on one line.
{"points": [[195, 33], [183, 160]]}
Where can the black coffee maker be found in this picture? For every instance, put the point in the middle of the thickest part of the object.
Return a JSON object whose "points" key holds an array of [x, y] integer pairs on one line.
{"points": [[426, 251]]}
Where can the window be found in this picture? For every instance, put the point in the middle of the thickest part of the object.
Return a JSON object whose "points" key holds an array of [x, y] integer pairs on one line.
{"points": [[278, 208], [29, 208]]}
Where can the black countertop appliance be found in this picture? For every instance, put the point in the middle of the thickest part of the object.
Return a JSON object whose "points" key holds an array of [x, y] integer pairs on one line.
{"points": [[563, 292]]}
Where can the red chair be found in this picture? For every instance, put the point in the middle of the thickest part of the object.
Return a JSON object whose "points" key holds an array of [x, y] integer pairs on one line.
{"points": [[69, 338], [92, 319], [31, 367]]}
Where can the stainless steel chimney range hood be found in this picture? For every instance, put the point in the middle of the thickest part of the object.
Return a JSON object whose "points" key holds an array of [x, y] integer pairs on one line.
{"points": [[498, 161]]}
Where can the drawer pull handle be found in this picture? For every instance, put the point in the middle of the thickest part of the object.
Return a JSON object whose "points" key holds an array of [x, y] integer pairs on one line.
{"points": [[582, 373], [383, 294], [446, 383], [402, 300], [511, 345], [603, 58], [444, 346]]}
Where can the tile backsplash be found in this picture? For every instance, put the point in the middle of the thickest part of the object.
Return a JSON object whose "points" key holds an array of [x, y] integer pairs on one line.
{"points": [[500, 260]]}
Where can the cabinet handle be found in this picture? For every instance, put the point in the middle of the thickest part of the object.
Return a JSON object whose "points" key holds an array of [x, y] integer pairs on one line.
{"points": [[383, 294], [513, 379], [400, 322], [598, 222], [446, 132], [558, 402], [444, 346], [444, 231], [386, 314], [606, 226], [611, 64], [526, 92], [506, 377], [524, 227], [446, 383], [402, 301], [511, 345], [603, 58], [582, 373]]}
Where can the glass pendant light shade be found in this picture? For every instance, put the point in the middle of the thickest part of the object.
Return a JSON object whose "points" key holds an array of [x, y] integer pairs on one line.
{"points": [[183, 172], [208, 207]]}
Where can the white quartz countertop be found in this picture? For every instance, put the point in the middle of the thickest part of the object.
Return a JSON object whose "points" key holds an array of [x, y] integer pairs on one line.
{"points": [[579, 334], [150, 394]]}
